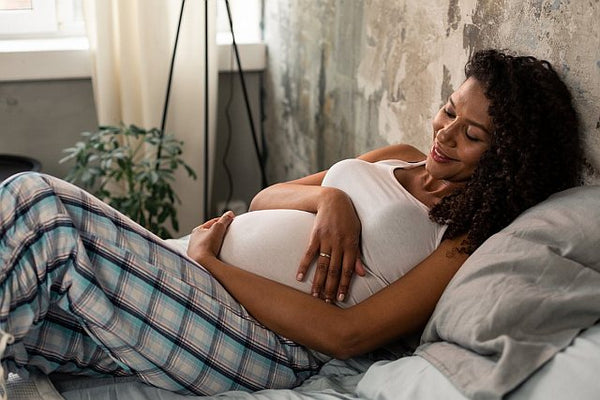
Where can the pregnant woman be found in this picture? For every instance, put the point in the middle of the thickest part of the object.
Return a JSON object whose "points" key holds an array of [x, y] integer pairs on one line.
{"points": [[84, 290], [394, 227]]}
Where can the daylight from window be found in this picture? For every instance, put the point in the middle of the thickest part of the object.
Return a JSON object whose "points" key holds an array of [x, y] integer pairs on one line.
{"points": [[14, 5], [40, 18]]}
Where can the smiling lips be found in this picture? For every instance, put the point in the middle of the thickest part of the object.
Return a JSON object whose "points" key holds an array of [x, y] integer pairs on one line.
{"points": [[439, 156]]}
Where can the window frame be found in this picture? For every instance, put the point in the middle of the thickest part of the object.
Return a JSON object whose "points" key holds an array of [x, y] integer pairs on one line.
{"points": [[41, 19]]}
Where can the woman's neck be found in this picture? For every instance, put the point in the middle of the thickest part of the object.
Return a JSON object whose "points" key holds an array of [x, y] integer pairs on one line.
{"points": [[423, 186], [436, 188]]}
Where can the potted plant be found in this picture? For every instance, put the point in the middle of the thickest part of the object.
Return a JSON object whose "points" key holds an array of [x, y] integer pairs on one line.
{"points": [[131, 169]]}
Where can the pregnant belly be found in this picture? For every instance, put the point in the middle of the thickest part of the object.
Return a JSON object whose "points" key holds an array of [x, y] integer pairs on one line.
{"points": [[271, 243]]}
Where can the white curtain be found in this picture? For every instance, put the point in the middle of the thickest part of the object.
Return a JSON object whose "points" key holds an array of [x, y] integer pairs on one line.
{"points": [[131, 44]]}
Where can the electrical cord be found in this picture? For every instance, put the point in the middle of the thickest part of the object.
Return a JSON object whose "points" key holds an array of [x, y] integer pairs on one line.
{"points": [[262, 91], [263, 118], [228, 139], [247, 102]]}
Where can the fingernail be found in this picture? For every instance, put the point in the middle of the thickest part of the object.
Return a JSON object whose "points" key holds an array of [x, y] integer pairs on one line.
{"points": [[228, 214], [341, 297], [315, 294], [327, 301], [300, 276]]}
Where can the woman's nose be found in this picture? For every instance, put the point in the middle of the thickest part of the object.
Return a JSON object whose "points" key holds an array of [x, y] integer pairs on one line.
{"points": [[447, 134]]}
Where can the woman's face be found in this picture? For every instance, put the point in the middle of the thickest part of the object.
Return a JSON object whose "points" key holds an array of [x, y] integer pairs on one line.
{"points": [[461, 134]]}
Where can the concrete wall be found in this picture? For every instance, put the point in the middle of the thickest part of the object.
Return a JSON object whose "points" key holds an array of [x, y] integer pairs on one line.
{"points": [[345, 76]]}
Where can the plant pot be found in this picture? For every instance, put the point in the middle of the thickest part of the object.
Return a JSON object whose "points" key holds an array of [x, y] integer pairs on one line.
{"points": [[11, 164]]}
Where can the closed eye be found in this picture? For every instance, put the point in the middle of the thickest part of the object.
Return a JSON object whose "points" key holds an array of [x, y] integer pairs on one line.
{"points": [[449, 113], [471, 138]]}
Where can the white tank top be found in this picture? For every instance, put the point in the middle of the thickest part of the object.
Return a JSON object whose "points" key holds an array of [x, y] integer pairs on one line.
{"points": [[396, 231]]}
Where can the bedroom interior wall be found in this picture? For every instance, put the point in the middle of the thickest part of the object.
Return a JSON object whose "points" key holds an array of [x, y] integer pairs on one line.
{"points": [[41, 118], [346, 76]]}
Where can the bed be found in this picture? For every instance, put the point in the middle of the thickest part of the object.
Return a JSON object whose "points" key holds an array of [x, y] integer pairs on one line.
{"points": [[520, 320]]}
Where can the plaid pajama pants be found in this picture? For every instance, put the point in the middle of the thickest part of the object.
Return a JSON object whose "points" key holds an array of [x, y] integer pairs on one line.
{"points": [[84, 290]]}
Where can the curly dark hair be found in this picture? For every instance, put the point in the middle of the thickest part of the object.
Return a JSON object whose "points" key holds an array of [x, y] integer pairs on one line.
{"points": [[535, 147]]}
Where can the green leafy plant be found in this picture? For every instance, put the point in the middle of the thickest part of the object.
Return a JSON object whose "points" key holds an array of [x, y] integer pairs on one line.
{"points": [[131, 169]]}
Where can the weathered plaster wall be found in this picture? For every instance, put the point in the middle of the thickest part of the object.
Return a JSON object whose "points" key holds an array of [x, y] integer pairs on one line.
{"points": [[345, 76]]}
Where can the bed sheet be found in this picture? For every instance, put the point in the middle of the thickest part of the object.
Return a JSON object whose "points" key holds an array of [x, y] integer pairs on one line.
{"points": [[571, 374], [336, 380]]}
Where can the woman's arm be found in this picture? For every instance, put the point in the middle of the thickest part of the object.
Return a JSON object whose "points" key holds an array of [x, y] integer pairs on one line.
{"points": [[306, 193], [337, 227], [402, 308], [300, 194], [336, 232]]}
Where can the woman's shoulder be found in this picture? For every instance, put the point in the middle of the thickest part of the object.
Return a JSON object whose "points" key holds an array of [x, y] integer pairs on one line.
{"points": [[402, 152]]}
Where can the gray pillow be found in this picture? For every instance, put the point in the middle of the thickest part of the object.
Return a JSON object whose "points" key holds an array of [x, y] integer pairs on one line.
{"points": [[524, 295]]}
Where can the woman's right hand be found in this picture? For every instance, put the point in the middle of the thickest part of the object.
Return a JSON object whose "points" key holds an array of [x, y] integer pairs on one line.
{"points": [[335, 242]]}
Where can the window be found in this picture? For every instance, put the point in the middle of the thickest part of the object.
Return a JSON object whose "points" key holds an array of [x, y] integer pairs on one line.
{"points": [[246, 16], [13, 5], [45, 39], [57, 18], [40, 18]]}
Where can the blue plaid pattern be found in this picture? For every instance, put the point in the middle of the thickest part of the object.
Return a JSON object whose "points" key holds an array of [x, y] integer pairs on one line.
{"points": [[85, 290]]}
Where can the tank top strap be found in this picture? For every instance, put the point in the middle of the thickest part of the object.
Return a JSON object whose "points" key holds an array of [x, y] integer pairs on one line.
{"points": [[402, 164]]}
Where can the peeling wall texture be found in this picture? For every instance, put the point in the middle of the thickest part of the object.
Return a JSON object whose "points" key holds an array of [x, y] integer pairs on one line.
{"points": [[346, 76]]}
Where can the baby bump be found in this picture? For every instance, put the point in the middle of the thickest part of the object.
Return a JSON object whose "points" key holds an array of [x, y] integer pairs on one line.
{"points": [[270, 243]]}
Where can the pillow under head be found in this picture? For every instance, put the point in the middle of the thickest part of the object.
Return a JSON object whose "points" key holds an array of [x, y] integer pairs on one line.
{"points": [[520, 298]]}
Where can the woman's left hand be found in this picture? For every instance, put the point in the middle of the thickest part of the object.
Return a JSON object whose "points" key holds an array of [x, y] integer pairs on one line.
{"points": [[206, 240]]}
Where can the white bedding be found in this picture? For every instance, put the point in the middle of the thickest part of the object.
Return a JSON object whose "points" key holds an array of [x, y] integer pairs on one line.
{"points": [[571, 374]]}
